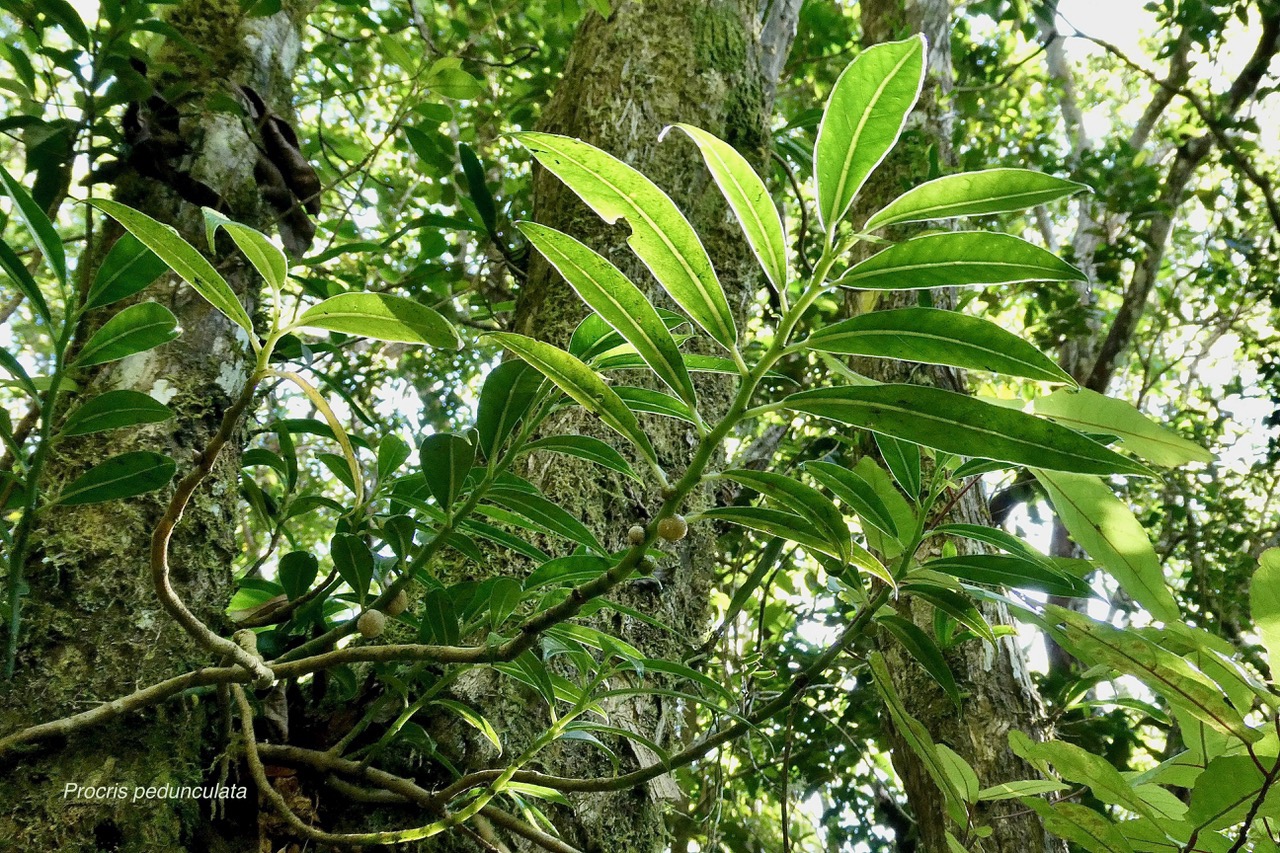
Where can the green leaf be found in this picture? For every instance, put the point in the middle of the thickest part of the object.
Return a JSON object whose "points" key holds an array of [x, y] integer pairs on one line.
{"points": [[446, 458], [582, 384], [922, 647], [956, 423], [1088, 829], [855, 493], [749, 200], [129, 268], [478, 188], [654, 402], [1023, 788], [660, 235], [1264, 603], [382, 317], [353, 561], [39, 226], [1108, 531], [122, 476], [585, 447], [448, 80], [137, 328], [1082, 409], [507, 393], [267, 258], [774, 522], [960, 773], [996, 537], [504, 597], [543, 514], [182, 257], [934, 336], [473, 719], [1227, 789], [802, 499], [439, 619], [973, 194], [22, 280], [612, 295], [1000, 570], [113, 410], [902, 458], [865, 113], [1084, 768], [392, 453], [957, 606], [567, 571], [957, 258], [297, 571]]}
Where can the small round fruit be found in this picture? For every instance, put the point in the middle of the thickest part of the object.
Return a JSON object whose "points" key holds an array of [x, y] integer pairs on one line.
{"points": [[636, 535], [397, 605], [673, 528], [647, 565], [371, 624]]}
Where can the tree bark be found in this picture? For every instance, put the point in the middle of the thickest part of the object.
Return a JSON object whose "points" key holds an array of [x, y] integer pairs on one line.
{"points": [[92, 625]]}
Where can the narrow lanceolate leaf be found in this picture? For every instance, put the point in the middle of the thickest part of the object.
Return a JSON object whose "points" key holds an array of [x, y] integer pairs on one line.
{"points": [[749, 200], [802, 499], [1159, 669], [113, 410], [612, 295], [1002, 570], [902, 458], [1090, 411], [541, 513], [585, 447], [129, 268], [934, 336], [855, 493], [960, 258], [1264, 604], [660, 235], [507, 393], [123, 476], [381, 317], [38, 224], [446, 459], [945, 420], [582, 384], [865, 113], [922, 647], [267, 258], [22, 280], [194, 268], [137, 328], [775, 522], [973, 194], [1108, 531]]}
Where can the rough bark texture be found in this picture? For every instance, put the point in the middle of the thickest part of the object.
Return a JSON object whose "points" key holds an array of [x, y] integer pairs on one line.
{"points": [[92, 626], [651, 64], [999, 695]]}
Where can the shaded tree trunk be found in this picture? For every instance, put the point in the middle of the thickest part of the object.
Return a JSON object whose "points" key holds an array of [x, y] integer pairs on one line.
{"points": [[92, 625]]}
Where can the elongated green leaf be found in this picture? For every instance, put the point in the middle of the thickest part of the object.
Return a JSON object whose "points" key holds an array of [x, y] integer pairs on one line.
{"points": [[15, 369], [182, 257], [957, 606], [855, 493], [474, 719], [1088, 829], [902, 458], [660, 235], [122, 476], [1006, 542], [22, 280], [353, 561], [974, 194], [1227, 789], [446, 459], [1084, 768], [1023, 788], [749, 200], [567, 571], [802, 499], [381, 317], [113, 410], [130, 267], [139, 327], [1090, 411], [38, 224], [544, 514], [865, 113], [653, 402], [945, 420], [1264, 603], [959, 258], [612, 295], [1159, 669], [507, 393], [922, 647], [1001, 570], [775, 522], [582, 384], [1108, 531], [933, 336], [267, 258], [585, 447]]}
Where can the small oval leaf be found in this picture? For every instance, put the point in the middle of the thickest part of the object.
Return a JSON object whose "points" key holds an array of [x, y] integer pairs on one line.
{"points": [[138, 328]]}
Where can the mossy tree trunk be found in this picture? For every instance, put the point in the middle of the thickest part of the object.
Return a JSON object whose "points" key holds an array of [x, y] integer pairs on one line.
{"points": [[92, 624]]}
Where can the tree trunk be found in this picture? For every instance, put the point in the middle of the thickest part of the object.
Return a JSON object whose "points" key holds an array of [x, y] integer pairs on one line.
{"points": [[92, 625], [999, 695]]}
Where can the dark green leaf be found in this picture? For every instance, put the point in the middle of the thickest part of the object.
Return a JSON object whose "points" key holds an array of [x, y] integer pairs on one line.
{"points": [[297, 571], [543, 514], [508, 392], [122, 476], [585, 447], [922, 647], [38, 224], [129, 268], [353, 561], [22, 280], [140, 327], [804, 500], [902, 458], [446, 459], [774, 522], [1001, 570], [113, 410]]}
